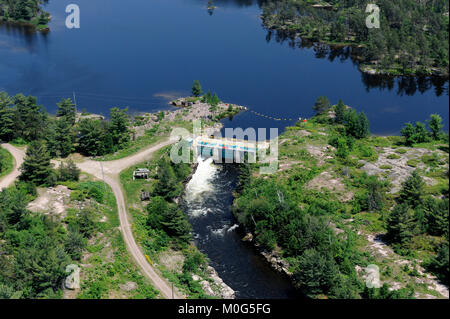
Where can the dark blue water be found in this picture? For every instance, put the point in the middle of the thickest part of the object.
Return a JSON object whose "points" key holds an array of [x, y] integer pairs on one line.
{"points": [[141, 53]]}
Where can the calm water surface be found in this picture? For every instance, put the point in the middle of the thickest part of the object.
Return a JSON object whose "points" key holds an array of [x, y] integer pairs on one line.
{"points": [[141, 53]]}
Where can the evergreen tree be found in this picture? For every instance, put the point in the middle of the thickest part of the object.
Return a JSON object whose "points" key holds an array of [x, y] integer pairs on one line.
{"points": [[167, 185], [363, 126], [196, 89], [119, 127], [375, 194], [215, 100], [93, 137], [421, 133], [67, 110], [316, 272], [244, 177], [36, 167], [401, 224], [175, 224], [30, 118], [408, 133], [435, 125], [69, 172], [435, 213], [440, 263], [412, 190], [74, 245], [340, 112], [157, 209], [322, 105], [6, 118], [64, 137]]}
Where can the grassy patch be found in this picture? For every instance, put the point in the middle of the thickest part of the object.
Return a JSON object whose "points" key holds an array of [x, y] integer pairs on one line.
{"points": [[393, 156], [412, 162], [7, 162]]}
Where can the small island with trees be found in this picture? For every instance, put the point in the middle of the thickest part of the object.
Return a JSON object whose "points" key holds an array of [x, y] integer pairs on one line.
{"points": [[24, 12]]}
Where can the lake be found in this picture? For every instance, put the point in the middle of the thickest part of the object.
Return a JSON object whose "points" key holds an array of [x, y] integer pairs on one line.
{"points": [[142, 53]]}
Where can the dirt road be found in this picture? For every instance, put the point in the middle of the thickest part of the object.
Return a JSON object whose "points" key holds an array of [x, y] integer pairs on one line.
{"points": [[18, 155], [111, 172]]}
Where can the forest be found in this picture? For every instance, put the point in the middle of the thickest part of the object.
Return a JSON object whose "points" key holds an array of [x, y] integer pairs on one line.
{"points": [[24, 11], [285, 215], [23, 121], [412, 38]]}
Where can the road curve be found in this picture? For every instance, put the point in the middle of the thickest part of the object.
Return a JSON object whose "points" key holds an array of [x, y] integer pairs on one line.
{"points": [[110, 172], [18, 155]]}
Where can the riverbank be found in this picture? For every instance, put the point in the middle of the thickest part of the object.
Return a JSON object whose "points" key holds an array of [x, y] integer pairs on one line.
{"points": [[320, 196], [172, 257]]}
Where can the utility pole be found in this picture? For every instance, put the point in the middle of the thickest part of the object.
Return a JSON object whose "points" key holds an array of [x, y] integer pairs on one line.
{"points": [[172, 290]]}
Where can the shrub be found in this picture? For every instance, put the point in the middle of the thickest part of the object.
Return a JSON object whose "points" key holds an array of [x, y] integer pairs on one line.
{"points": [[401, 151], [412, 162], [431, 160], [393, 156]]}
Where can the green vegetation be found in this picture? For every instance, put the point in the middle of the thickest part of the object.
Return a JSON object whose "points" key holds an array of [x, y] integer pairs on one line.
{"points": [[24, 11], [6, 162], [212, 100], [412, 38], [22, 119], [318, 210], [196, 89], [36, 248], [418, 133], [160, 227]]}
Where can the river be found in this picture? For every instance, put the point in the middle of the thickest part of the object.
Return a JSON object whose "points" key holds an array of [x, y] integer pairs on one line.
{"points": [[207, 200], [142, 53]]}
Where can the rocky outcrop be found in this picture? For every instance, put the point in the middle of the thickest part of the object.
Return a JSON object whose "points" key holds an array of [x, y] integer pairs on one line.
{"points": [[277, 262], [216, 287]]}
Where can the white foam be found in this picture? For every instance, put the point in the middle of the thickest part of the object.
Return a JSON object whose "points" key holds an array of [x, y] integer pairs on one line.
{"points": [[199, 185]]}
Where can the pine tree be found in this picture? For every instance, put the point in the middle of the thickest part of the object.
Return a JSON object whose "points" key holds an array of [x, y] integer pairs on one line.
{"points": [[67, 110], [69, 172], [363, 126], [30, 118], [412, 190], [175, 223], [215, 100], [64, 137], [6, 118], [120, 132], [340, 112], [408, 133], [435, 125], [316, 272], [93, 138], [36, 167], [196, 89], [244, 177], [322, 105], [167, 185], [401, 224]]}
